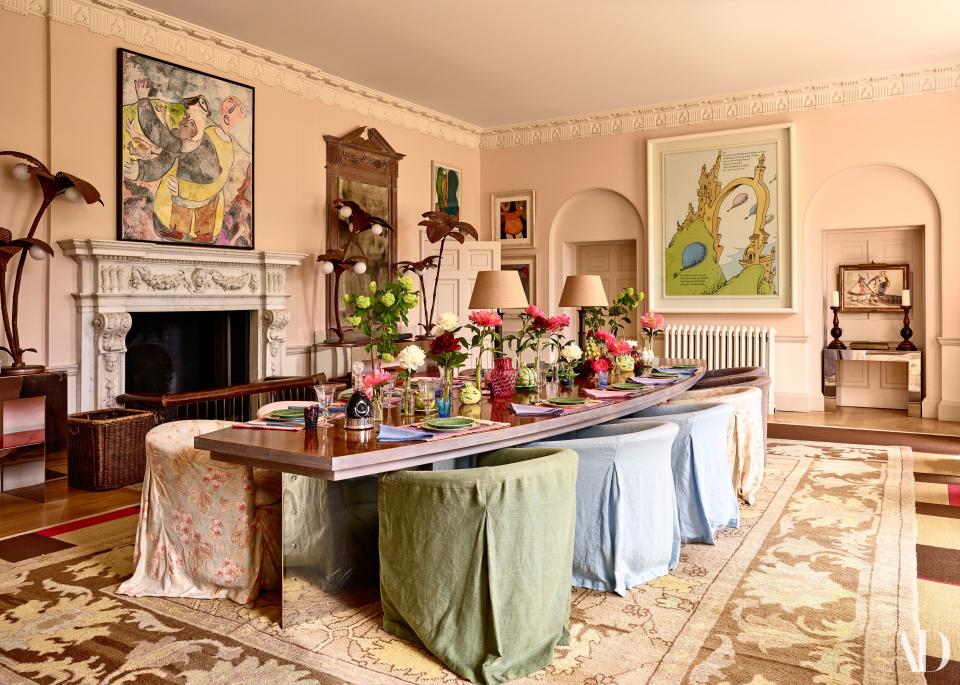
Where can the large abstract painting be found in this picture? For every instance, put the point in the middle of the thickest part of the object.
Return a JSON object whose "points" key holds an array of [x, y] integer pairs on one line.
{"points": [[721, 221], [186, 155], [446, 188]]}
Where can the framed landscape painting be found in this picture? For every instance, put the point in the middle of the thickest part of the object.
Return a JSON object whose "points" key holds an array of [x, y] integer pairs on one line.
{"points": [[872, 288], [512, 214], [721, 235], [185, 155], [445, 191]]}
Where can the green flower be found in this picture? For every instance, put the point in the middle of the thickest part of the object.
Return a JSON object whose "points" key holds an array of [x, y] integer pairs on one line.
{"points": [[411, 300], [372, 287], [362, 302], [347, 298], [386, 357], [407, 284], [353, 320], [387, 299]]}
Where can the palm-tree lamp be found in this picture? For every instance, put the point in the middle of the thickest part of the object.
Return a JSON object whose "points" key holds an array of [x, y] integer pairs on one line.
{"points": [[441, 226], [498, 290], [581, 292], [73, 189]]}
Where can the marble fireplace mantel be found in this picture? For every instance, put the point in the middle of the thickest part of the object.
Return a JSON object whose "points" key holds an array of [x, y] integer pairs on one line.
{"points": [[116, 278]]}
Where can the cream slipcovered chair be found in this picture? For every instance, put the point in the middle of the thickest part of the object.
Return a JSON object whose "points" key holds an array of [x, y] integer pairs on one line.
{"points": [[208, 529], [745, 444]]}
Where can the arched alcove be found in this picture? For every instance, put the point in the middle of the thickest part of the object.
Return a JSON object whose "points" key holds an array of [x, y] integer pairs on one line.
{"points": [[592, 215], [877, 198]]}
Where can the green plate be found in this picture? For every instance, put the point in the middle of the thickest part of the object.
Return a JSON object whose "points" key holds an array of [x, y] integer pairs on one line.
{"points": [[450, 423], [627, 386], [292, 413], [684, 366], [563, 401], [345, 394], [661, 374]]}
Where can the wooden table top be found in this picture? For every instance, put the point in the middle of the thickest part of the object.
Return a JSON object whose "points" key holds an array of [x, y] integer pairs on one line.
{"points": [[334, 453]]}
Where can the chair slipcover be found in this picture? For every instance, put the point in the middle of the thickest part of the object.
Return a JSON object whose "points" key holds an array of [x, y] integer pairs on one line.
{"points": [[201, 533], [743, 376], [745, 444], [627, 526], [475, 563], [706, 500]]}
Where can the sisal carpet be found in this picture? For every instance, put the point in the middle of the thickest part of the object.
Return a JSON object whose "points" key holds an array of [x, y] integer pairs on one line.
{"points": [[815, 587]]}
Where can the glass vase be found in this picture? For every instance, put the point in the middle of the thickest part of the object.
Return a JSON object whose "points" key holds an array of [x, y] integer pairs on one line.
{"points": [[376, 404], [503, 378], [408, 403]]}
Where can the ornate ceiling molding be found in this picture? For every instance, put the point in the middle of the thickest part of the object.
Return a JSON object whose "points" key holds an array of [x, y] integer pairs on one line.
{"points": [[166, 35], [922, 81]]}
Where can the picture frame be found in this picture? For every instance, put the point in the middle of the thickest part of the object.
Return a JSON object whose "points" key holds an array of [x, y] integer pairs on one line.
{"points": [[873, 288], [526, 266], [201, 197], [721, 234], [512, 217], [446, 188]]}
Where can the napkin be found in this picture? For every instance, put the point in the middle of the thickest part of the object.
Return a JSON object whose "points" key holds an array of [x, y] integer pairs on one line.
{"points": [[534, 410], [608, 394], [645, 380], [395, 434], [674, 369]]}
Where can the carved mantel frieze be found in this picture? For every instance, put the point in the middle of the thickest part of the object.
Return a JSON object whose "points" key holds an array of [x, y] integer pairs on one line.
{"points": [[118, 277]]}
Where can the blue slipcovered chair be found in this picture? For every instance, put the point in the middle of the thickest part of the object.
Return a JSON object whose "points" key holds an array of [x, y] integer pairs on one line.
{"points": [[706, 500], [627, 527]]}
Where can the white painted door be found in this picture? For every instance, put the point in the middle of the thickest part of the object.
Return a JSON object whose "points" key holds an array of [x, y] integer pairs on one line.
{"points": [[873, 384], [616, 265], [458, 272]]}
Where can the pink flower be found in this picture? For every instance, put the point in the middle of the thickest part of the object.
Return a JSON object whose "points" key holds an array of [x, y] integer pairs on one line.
{"points": [[535, 311], [376, 379], [558, 323], [605, 336], [486, 318], [651, 321], [618, 347], [600, 365]]}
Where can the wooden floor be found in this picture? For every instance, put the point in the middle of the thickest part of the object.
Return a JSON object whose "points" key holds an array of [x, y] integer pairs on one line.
{"points": [[873, 419]]}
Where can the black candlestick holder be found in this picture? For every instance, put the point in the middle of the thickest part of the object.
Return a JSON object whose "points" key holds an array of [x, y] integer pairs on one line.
{"points": [[906, 345], [836, 332]]}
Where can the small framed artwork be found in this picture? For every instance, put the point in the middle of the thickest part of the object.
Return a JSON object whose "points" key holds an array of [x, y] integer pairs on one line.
{"points": [[185, 158], [526, 267], [446, 182], [872, 288], [512, 215]]}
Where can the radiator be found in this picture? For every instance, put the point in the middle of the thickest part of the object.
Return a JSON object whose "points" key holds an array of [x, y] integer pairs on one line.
{"points": [[725, 347]]}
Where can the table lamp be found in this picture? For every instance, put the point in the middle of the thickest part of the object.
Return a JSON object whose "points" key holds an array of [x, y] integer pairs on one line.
{"points": [[498, 290], [580, 292]]}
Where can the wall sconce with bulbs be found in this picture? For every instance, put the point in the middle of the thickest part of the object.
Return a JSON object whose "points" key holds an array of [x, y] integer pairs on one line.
{"points": [[52, 185], [337, 262]]}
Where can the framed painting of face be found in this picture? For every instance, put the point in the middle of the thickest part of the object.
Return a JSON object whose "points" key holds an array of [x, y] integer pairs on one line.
{"points": [[185, 157], [512, 215], [445, 190]]}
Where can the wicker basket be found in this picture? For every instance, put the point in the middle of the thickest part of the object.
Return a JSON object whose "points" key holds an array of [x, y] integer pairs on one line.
{"points": [[107, 448]]}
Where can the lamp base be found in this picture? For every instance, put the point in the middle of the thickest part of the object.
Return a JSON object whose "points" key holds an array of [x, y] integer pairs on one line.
{"points": [[23, 370]]}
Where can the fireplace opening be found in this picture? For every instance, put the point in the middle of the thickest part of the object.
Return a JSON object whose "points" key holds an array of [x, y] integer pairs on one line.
{"points": [[169, 352]]}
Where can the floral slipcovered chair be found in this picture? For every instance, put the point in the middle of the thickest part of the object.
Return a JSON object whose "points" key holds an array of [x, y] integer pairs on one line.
{"points": [[207, 529]]}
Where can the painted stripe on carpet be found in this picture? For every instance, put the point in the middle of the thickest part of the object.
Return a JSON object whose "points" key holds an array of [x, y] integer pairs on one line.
{"points": [[938, 564], [53, 531], [942, 510]]}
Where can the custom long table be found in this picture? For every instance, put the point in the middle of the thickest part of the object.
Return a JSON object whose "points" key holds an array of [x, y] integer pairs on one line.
{"points": [[329, 505]]}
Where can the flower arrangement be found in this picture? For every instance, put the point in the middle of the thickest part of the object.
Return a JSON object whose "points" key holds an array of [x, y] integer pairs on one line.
{"points": [[373, 384], [651, 324], [410, 358], [379, 314], [534, 325], [447, 350], [618, 314], [571, 353], [483, 325]]}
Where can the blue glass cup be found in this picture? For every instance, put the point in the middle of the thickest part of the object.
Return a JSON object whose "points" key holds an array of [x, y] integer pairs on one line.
{"points": [[603, 377], [443, 407]]}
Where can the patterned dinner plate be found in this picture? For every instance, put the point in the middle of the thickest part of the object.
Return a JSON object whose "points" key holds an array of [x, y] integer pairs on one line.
{"points": [[565, 401], [449, 423]]}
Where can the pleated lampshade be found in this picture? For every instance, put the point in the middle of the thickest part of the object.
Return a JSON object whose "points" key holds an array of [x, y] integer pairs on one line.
{"points": [[583, 291], [498, 290]]}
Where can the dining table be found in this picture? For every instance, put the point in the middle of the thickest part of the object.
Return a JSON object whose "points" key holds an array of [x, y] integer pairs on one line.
{"points": [[328, 506]]}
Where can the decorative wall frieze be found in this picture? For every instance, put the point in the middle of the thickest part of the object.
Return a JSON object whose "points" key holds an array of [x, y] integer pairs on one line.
{"points": [[874, 88], [185, 42]]}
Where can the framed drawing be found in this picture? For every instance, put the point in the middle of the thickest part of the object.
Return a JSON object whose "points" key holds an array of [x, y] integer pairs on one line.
{"points": [[185, 158], [445, 189], [512, 215], [721, 231], [526, 267], [878, 288]]}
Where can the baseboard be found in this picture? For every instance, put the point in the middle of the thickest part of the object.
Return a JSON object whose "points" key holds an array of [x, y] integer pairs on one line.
{"points": [[949, 410], [792, 401]]}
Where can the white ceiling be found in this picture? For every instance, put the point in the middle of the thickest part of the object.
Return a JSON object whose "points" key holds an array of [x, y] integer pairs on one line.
{"points": [[497, 62]]}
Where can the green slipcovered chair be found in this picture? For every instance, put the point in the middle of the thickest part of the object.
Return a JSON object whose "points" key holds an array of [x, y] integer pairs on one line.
{"points": [[476, 564]]}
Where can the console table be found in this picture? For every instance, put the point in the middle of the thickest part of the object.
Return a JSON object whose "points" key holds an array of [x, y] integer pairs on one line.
{"points": [[913, 360]]}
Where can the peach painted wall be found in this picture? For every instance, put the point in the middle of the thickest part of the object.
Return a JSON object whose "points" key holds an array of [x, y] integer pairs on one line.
{"points": [[918, 135], [80, 125]]}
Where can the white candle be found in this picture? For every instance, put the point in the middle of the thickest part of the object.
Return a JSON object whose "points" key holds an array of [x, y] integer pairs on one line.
{"points": [[905, 300], [835, 300]]}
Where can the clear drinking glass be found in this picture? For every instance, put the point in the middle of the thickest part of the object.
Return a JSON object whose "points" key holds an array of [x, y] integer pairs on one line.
{"points": [[427, 391], [326, 396]]}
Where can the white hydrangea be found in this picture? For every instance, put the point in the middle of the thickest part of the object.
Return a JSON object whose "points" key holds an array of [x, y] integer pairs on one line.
{"points": [[448, 321], [571, 352], [411, 357]]}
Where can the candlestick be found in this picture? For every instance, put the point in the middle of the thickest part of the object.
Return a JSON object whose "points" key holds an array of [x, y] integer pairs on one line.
{"points": [[906, 345], [835, 299], [835, 344]]}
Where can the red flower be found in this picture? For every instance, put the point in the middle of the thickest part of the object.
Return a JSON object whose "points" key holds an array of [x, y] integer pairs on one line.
{"points": [[606, 336], [618, 347], [444, 343], [600, 365], [540, 323], [535, 311], [558, 323]]}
